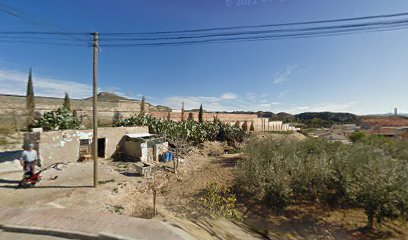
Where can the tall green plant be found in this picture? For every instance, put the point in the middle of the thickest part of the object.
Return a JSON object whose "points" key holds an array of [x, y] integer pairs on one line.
{"points": [[192, 131], [59, 119], [200, 114], [142, 106], [67, 102]]}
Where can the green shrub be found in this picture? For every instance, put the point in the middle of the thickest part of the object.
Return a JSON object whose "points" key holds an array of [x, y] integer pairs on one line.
{"points": [[60, 119], [371, 175], [357, 136], [192, 131], [376, 181], [220, 202]]}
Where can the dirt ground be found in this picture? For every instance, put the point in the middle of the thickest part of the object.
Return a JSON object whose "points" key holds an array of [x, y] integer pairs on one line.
{"points": [[122, 191]]}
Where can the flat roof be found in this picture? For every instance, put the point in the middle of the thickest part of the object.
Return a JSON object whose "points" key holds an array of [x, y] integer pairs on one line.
{"points": [[139, 135]]}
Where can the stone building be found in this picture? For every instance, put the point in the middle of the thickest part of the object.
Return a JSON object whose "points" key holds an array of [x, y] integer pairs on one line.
{"points": [[67, 145]]}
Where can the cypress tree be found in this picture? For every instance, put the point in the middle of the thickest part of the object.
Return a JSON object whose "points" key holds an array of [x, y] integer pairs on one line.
{"points": [[67, 102], [190, 116], [245, 126], [252, 128], [30, 106], [182, 111], [200, 114], [237, 124], [142, 106]]}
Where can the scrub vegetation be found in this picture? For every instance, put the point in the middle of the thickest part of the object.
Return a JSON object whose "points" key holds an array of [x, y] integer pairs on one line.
{"points": [[195, 132], [370, 174]]}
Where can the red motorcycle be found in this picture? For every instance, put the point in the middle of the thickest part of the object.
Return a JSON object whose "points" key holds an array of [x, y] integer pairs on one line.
{"points": [[30, 179]]}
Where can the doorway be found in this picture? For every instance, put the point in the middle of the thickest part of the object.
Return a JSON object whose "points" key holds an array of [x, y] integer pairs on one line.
{"points": [[101, 147]]}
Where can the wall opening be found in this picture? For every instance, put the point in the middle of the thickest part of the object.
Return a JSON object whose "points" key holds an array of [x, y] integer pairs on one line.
{"points": [[101, 147], [85, 150]]}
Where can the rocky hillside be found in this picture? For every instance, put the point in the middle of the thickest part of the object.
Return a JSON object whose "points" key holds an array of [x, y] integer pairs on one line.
{"points": [[329, 116], [110, 97]]}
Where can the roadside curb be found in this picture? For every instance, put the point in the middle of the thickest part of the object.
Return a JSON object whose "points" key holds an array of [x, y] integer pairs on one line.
{"points": [[61, 233]]}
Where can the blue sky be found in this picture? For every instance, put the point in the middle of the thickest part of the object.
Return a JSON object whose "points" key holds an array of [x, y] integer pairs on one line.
{"points": [[360, 73]]}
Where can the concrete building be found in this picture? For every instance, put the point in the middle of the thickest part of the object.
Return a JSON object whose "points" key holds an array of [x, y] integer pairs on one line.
{"points": [[145, 147]]}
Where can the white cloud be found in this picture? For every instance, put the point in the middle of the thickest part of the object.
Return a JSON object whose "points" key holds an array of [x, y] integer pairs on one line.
{"points": [[321, 107], [284, 76], [225, 102], [15, 82], [229, 96], [212, 103]]}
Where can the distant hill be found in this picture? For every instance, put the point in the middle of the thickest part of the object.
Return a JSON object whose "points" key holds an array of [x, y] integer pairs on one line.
{"points": [[160, 108], [329, 116], [282, 116], [110, 97]]}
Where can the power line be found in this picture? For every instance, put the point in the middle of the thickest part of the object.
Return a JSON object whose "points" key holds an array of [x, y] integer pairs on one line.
{"points": [[43, 33], [56, 38], [261, 26], [332, 31], [14, 12], [388, 22], [245, 39], [43, 43], [316, 29]]}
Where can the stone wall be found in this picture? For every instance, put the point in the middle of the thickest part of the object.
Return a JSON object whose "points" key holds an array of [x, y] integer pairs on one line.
{"points": [[63, 146], [260, 124], [13, 107], [12, 112], [223, 117]]}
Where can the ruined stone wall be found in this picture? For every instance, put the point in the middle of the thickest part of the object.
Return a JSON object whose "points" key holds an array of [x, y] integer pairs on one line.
{"points": [[63, 146]]}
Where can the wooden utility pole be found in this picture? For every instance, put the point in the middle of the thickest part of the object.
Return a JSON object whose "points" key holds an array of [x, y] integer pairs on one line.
{"points": [[95, 108]]}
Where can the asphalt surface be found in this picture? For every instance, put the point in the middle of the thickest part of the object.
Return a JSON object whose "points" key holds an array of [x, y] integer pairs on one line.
{"points": [[24, 236]]}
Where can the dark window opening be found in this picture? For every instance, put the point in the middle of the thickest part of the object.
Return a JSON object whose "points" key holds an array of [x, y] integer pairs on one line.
{"points": [[101, 147]]}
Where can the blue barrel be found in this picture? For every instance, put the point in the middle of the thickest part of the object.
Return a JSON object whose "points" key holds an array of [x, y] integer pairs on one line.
{"points": [[165, 157], [170, 156]]}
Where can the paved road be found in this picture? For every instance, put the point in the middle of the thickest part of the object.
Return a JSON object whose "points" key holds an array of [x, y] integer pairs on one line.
{"points": [[24, 236], [89, 223]]}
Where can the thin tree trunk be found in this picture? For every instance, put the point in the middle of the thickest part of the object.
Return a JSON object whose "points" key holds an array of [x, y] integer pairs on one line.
{"points": [[370, 217]]}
